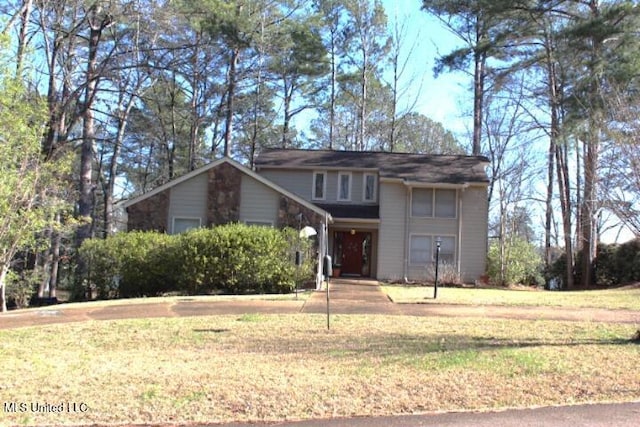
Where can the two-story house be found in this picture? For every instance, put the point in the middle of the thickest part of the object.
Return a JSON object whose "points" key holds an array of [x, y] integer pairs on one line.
{"points": [[377, 214], [389, 209]]}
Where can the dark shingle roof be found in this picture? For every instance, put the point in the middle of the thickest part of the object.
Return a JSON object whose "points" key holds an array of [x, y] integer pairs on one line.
{"points": [[445, 169], [351, 211]]}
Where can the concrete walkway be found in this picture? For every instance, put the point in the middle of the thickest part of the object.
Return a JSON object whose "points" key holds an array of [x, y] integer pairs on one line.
{"points": [[352, 296], [347, 296]]}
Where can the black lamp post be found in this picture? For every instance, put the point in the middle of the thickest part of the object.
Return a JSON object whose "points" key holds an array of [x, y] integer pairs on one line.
{"points": [[435, 285]]}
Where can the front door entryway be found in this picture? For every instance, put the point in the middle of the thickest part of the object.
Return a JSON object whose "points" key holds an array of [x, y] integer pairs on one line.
{"points": [[353, 250]]}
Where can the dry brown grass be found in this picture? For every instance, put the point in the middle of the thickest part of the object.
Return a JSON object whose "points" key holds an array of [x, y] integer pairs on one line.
{"points": [[627, 297], [276, 367]]}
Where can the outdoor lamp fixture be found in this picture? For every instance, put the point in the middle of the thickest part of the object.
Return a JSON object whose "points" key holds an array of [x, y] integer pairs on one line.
{"points": [[353, 232], [435, 285]]}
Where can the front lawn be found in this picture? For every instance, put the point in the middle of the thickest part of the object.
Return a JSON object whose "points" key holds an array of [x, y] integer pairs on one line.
{"points": [[276, 367], [621, 298]]}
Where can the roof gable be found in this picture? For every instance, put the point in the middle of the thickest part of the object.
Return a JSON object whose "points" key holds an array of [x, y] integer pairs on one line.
{"points": [[238, 166], [421, 168]]}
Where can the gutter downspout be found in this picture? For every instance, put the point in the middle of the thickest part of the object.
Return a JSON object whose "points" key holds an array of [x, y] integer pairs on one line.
{"points": [[407, 206], [460, 229], [461, 192]]}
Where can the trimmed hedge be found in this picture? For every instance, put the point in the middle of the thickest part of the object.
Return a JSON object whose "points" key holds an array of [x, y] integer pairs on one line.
{"points": [[615, 264], [233, 258]]}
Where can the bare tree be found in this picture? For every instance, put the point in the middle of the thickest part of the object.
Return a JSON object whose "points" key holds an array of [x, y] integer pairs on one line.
{"points": [[408, 91]]}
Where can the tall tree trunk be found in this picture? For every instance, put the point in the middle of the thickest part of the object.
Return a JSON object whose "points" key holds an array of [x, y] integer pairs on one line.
{"points": [[113, 168], [554, 135], [86, 189], [548, 203], [589, 235], [47, 258], [25, 14], [362, 114], [480, 60], [194, 129], [565, 206], [4, 270], [333, 96], [55, 261], [231, 89]]}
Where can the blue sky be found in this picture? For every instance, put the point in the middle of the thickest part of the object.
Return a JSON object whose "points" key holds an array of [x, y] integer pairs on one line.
{"points": [[446, 99]]}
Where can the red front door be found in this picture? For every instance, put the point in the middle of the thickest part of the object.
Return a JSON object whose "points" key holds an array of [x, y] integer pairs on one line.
{"points": [[352, 253]]}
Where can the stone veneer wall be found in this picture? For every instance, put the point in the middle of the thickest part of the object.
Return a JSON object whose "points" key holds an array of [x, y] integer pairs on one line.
{"points": [[289, 210], [223, 195], [150, 214]]}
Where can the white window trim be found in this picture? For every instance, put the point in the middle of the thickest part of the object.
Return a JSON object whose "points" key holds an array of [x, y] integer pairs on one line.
{"points": [[456, 196], [324, 185], [173, 221], [364, 187], [340, 175], [411, 236], [433, 204], [455, 247], [433, 201], [433, 238]]}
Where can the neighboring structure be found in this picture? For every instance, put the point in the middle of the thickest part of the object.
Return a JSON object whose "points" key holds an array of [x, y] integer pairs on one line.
{"points": [[377, 214]]}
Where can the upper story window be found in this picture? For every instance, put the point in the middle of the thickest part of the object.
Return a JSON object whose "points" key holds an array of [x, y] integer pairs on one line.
{"points": [[319, 190], [434, 203], [422, 202], [369, 187], [344, 186]]}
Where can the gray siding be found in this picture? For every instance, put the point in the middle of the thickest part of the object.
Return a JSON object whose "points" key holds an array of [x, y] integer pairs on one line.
{"points": [[391, 242], [296, 181], [258, 202], [189, 200], [300, 182], [474, 233]]}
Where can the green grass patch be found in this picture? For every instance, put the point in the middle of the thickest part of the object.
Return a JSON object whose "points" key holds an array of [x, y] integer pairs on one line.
{"points": [[251, 317], [621, 298], [273, 367]]}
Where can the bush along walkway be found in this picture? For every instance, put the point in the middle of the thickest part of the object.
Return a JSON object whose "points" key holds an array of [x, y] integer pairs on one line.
{"points": [[346, 297]]}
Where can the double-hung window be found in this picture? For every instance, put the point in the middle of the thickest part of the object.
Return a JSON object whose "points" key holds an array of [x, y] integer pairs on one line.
{"points": [[420, 253], [344, 186], [447, 250], [433, 203], [445, 206], [423, 250], [319, 185], [369, 187]]}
